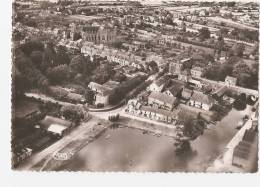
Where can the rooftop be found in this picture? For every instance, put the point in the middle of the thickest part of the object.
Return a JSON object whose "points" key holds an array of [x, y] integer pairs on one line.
{"points": [[104, 90], [203, 98], [50, 120], [162, 97], [111, 84]]}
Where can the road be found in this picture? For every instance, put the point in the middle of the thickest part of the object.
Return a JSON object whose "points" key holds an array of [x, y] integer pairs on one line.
{"points": [[46, 98]]}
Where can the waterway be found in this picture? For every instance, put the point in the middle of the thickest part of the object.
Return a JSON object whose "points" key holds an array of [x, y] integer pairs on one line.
{"points": [[126, 149]]}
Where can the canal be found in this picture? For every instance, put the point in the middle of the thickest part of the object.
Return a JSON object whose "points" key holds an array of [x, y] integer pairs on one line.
{"points": [[126, 149]]}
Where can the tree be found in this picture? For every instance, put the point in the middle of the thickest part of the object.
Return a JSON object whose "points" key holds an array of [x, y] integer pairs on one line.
{"points": [[89, 95], [189, 129], [153, 66], [102, 74], [30, 46], [119, 77], [73, 113], [220, 45], [27, 69], [36, 57], [57, 92], [48, 59], [239, 68], [59, 73], [204, 33], [80, 64], [122, 90], [62, 56], [238, 49], [240, 102]]}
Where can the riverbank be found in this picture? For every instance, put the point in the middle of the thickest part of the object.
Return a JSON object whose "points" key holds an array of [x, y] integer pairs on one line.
{"points": [[224, 162], [151, 128], [70, 144], [53, 162]]}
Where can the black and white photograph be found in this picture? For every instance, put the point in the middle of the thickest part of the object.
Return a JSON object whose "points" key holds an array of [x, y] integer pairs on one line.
{"points": [[134, 86]]}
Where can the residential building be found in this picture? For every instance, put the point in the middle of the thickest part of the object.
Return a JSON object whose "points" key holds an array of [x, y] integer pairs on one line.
{"points": [[184, 76], [186, 93], [200, 100], [163, 101], [196, 72], [174, 91], [55, 125], [136, 108], [158, 85], [230, 81], [175, 68], [102, 92]]}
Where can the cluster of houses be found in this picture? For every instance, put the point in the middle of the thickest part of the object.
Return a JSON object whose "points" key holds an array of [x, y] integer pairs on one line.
{"points": [[121, 57], [134, 107]]}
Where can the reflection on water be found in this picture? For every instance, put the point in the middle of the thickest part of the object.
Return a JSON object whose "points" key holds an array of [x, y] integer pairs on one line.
{"points": [[127, 149]]}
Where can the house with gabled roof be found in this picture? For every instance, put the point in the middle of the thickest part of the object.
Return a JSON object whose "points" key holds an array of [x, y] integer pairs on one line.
{"points": [[174, 90], [184, 76], [186, 93], [201, 100], [102, 92], [163, 101], [158, 85]]}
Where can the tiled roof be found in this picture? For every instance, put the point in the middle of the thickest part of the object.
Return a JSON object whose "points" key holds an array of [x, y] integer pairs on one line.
{"points": [[161, 81], [162, 97], [50, 120], [100, 88], [203, 98], [175, 89], [111, 84], [186, 92]]}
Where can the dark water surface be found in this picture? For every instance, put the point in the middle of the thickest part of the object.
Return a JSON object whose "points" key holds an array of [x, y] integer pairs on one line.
{"points": [[127, 149]]}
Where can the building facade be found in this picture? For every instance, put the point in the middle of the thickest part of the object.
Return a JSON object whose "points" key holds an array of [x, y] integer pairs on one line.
{"points": [[96, 34]]}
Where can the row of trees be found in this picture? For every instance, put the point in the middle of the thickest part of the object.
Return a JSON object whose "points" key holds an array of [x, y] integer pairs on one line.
{"points": [[73, 113], [246, 76], [123, 89], [188, 130]]}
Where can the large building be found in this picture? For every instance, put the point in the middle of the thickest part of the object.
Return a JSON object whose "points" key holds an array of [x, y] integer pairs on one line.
{"points": [[96, 34]]}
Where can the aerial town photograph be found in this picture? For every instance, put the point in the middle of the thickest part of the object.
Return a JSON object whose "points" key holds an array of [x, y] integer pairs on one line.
{"points": [[135, 86]]}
